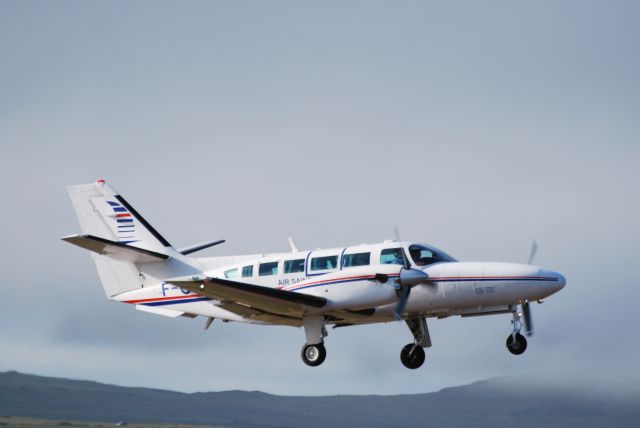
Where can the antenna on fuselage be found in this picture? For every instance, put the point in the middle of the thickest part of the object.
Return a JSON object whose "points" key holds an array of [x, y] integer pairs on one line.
{"points": [[396, 233], [294, 247]]}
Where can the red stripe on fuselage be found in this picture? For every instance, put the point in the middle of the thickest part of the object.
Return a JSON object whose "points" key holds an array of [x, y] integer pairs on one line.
{"points": [[347, 278], [305, 284]]}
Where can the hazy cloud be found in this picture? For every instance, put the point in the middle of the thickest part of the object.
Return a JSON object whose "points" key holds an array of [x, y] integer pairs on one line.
{"points": [[473, 127]]}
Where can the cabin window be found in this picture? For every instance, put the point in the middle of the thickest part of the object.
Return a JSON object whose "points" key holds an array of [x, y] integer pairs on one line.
{"points": [[292, 266], [324, 263], [247, 271], [358, 259], [392, 256], [231, 273], [270, 268]]}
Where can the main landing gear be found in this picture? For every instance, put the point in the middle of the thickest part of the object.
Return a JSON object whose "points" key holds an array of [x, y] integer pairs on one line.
{"points": [[314, 355], [412, 355], [516, 343], [313, 352]]}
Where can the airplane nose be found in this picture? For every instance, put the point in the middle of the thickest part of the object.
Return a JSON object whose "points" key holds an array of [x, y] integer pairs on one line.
{"points": [[556, 280]]}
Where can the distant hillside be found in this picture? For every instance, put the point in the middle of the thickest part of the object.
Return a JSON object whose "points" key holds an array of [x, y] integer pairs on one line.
{"points": [[491, 403]]}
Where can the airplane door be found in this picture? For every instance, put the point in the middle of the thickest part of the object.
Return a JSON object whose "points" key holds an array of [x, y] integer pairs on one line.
{"points": [[453, 289]]}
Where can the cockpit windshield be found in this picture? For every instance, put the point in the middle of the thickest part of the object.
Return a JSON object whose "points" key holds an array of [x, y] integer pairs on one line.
{"points": [[423, 255]]}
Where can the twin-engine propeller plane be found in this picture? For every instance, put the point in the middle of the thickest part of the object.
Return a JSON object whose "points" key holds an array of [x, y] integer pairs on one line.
{"points": [[346, 286]]}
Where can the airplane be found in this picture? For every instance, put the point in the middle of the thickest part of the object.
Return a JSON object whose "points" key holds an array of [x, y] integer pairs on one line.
{"points": [[339, 287]]}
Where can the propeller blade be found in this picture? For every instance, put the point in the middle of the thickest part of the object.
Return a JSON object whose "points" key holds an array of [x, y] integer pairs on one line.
{"points": [[532, 253], [528, 325], [402, 302], [408, 278]]}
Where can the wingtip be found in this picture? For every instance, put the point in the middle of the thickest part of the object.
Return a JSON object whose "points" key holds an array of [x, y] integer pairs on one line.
{"points": [[69, 237]]}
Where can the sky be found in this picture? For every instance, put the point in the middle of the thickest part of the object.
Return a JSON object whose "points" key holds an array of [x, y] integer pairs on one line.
{"points": [[476, 127]]}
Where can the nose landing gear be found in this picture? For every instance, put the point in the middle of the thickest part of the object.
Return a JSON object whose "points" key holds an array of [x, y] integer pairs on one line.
{"points": [[412, 356], [516, 343]]}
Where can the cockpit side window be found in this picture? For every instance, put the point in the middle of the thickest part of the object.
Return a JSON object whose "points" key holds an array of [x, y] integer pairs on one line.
{"points": [[423, 256], [392, 256]]}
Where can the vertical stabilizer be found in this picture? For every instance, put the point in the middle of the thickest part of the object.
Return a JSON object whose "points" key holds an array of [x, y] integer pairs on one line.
{"points": [[103, 213], [124, 223]]}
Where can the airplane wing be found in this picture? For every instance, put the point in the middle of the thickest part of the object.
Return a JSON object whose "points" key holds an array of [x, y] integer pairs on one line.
{"points": [[265, 299]]}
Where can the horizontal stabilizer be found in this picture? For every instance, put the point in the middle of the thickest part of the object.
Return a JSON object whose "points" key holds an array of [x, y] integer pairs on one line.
{"points": [[197, 247], [159, 311], [115, 250]]}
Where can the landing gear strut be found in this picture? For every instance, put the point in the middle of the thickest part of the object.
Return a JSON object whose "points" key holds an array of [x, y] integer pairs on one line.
{"points": [[313, 352], [412, 355], [516, 343]]}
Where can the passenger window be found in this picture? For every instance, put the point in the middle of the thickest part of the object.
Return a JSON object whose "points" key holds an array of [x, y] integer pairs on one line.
{"points": [[324, 263], [231, 273], [270, 268], [358, 259], [291, 266], [247, 271], [392, 256]]}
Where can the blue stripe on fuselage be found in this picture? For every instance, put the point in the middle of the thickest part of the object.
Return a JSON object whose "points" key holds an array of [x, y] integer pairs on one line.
{"points": [[175, 302]]}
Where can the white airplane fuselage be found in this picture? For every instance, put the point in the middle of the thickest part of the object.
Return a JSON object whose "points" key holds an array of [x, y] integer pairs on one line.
{"points": [[454, 288]]}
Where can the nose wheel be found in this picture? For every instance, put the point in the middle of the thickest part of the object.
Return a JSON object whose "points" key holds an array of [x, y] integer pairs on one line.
{"points": [[412, 356], [314, 355], [516, 343]]}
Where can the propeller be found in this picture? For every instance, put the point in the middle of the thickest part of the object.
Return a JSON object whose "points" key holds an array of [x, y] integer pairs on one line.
{"points": [[408, 279], [526, 311], [532, 253]]}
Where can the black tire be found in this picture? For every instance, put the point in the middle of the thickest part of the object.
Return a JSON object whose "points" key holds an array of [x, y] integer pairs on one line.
{"points": [[413, 361], [518, 346], [314, 355]]}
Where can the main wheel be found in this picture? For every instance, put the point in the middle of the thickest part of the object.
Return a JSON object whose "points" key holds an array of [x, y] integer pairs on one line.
{"points": [[518, 346], [412, 360], [313, 355]]}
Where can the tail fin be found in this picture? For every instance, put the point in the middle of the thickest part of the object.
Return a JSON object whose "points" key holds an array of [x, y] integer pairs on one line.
{"points": [[105, 215], [103, 212]]}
